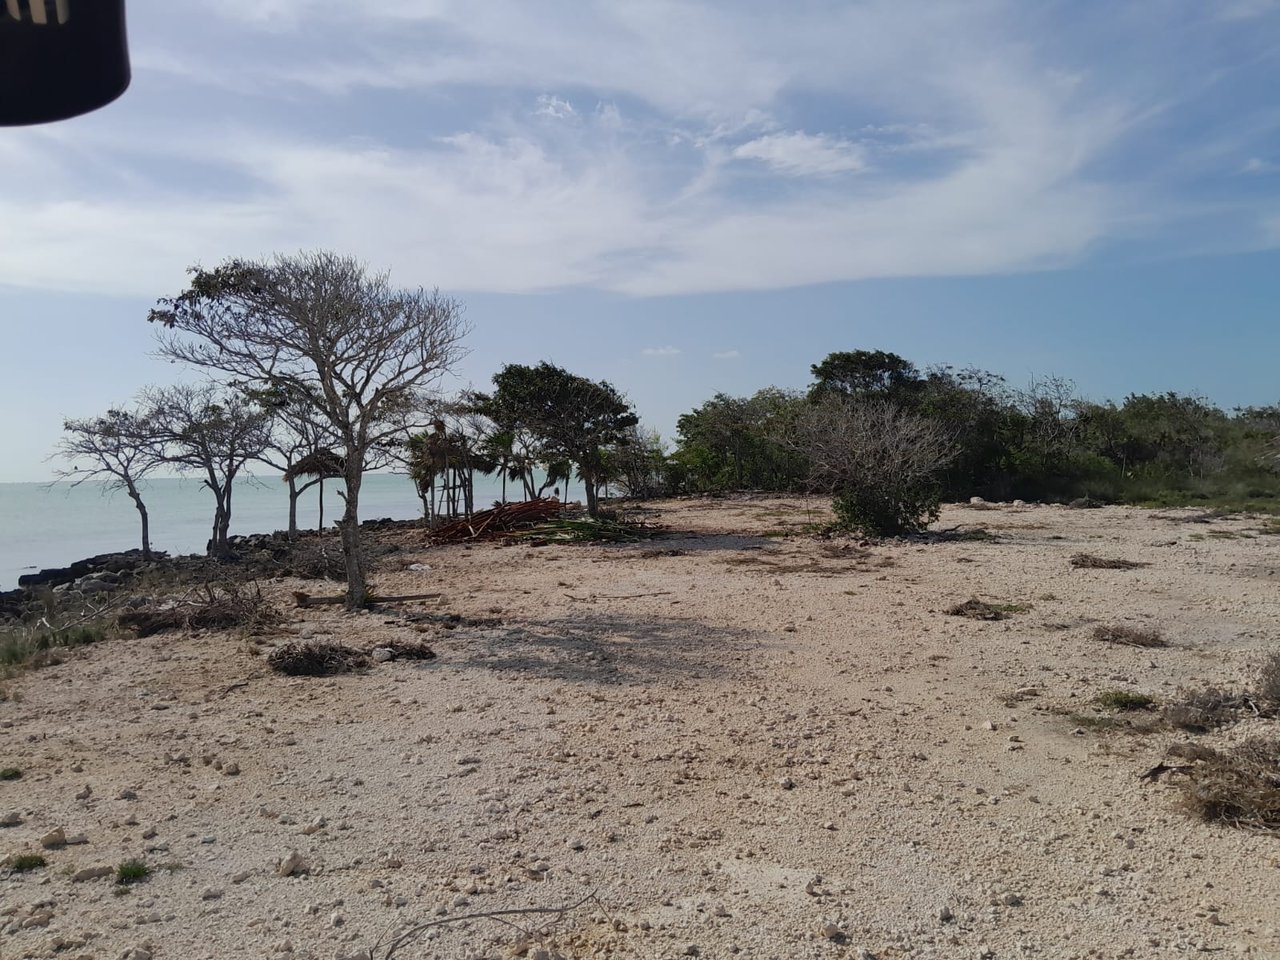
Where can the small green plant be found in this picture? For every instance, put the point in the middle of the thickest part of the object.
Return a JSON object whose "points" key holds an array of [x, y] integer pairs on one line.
{"points": [[1124, 700], [22, 647], [10, 773], [25, 862], [132, 871]]}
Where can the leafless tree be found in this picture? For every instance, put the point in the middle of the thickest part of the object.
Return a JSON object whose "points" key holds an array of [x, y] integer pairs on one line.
{"points": [[211, 432], [879, 462], [638, 464], [1050, 407], [300, 448], [320, 326], [117, 448]]}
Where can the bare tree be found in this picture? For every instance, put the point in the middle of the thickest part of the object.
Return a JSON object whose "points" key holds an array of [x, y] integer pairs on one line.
{"points": [[1050, 408], [320, 326], [639, 464], [212, 432], [118, 448], [880, 463], [301, 448]]}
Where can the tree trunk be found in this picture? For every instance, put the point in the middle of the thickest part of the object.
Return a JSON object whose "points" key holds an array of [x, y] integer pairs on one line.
{"points": [[349, 527], [215, 545], [593, 503], [320, 522], [146, 523], [294, 493]]}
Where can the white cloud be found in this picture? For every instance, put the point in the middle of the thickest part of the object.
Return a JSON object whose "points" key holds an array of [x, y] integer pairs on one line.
{"points": [[727, 355], [802, 153], [1257, 165], [975, 151], [661, 351], [550, 105]]}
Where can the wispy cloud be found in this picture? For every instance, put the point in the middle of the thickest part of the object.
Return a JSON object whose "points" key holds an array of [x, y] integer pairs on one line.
{"points": [[802, 153], [661, 351], [726, 355], [511, 146], [550, 105]]}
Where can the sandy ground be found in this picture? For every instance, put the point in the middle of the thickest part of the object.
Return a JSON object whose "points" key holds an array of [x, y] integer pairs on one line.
{"points": [[739, 744]]}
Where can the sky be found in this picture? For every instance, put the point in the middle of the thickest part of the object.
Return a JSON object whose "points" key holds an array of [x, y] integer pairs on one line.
{"points": [[679, 197]]}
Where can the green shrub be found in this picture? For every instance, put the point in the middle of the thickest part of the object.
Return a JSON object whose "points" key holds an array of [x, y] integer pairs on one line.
{"points": [[883, 513], [1124, 700], [22, 647], [24, 862], [132, 871], [10, 773]]}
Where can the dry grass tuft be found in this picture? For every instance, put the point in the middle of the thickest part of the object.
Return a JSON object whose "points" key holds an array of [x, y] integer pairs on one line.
{"points": [[1239, 787], [1127, 636], [1087, 561], [1205, 709], [213, 607], [408, 650], [1266, 689], [316, 659], [976, 609]]}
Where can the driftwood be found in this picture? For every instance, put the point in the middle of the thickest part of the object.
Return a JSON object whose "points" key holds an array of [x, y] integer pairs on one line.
{"points": [[388, 950], [306, 600], [627, 596]]}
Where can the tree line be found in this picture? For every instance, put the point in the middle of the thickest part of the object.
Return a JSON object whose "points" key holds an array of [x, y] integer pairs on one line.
{"points": [[324, 371], [948, 434]]}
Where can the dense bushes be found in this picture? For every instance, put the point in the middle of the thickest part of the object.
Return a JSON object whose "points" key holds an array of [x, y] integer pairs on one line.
{"points": [[1043, 442]]}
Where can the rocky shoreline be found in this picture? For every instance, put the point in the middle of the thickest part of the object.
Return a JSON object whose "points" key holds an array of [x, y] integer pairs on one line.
{"points": [[308, 556]]}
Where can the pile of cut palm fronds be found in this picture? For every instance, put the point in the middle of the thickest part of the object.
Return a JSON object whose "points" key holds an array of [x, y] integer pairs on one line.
{"points": [[501, 520]]}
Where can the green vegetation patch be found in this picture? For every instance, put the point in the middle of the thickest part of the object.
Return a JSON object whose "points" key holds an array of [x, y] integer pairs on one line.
{"points": [[1124, 700], [10, 773], [26, 862], [132, 871], [24, 647]]}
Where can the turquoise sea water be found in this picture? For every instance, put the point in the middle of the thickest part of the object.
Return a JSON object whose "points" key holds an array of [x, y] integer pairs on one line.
{"points": [[43, 525]]}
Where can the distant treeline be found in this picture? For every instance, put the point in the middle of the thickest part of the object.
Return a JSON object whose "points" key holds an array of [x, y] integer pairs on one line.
{"points": [[1042, 442]]}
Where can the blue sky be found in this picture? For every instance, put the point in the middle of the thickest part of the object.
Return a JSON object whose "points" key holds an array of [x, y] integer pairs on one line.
{"points": [[680, 197]]}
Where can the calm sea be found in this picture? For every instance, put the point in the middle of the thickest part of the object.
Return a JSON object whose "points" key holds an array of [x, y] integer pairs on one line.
{"points": [[43, 525]]}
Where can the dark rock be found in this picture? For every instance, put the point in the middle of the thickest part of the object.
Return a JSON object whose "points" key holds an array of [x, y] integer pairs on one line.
{"points": [[57, 576]]}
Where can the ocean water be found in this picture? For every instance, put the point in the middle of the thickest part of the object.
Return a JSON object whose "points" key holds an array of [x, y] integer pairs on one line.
{"points": [[52, 525]]}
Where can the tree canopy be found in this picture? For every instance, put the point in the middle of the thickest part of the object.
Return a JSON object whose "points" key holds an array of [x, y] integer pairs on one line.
{"points": [[320, 327], [570, 417]]}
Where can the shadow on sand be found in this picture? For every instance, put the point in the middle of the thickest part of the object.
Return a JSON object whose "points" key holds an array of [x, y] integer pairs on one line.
{"points": [[610, 648]]}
